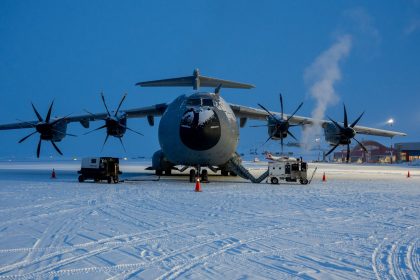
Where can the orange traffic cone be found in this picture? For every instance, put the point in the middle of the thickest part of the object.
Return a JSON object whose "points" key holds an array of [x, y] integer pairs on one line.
{"points": [[197, 185], [324, 179], [408, 174], [53, 174]]}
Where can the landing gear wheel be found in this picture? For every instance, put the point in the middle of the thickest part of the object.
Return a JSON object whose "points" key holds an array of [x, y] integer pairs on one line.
{"points": [[96, 180], [81, 179], [303, 181], [224, 173], [233, 174], [109, 180], [192, 175], [116, 180], [168, 171], [158, 172], [204, 175], [274, 180]]}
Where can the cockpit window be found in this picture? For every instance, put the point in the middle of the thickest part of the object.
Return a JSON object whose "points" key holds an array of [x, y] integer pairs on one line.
{"points": [[208, 102], [194, 102], [200, 102]]}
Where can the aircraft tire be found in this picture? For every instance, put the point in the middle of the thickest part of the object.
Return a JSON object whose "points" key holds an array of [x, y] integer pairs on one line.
{"points": [[192, 176]]}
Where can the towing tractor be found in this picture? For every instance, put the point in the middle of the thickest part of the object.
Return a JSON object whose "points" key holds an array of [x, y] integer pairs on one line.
{"points": [[288, 169], [100, 168]]}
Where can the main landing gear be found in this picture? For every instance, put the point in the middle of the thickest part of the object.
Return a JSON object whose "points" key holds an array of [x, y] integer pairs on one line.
{"points": [[202, 174]]}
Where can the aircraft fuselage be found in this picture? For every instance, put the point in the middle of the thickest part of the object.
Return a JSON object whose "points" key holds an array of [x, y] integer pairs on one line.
{"points": [[199, 129]]}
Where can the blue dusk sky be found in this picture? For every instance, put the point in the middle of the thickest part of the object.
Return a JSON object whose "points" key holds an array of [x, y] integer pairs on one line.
{"points": [[365, 54]]}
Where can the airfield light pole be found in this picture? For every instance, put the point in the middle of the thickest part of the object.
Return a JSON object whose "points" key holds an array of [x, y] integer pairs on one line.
{"points": [[390, 122]]}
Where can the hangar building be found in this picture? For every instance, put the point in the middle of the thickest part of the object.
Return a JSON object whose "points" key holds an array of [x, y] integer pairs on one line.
{"points": [[377, 153], [409, 151]]}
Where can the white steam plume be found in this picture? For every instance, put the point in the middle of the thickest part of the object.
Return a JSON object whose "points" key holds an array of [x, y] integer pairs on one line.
{"points": [[321, 76]]}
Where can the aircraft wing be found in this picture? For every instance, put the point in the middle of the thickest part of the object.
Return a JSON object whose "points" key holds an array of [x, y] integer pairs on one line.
{"points": [[18, 125], [154, 110], [149, 111], [257, 114]]}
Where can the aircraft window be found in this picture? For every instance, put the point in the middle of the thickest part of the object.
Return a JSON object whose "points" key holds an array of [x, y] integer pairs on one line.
{"points": [[208, 102], [194, 102]]}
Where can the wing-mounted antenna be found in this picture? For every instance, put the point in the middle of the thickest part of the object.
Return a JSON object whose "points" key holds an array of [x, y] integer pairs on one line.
{"points": [[195, 81]]}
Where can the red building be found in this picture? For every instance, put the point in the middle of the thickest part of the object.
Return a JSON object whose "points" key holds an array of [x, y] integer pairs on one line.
{"points": [[377, 153]]}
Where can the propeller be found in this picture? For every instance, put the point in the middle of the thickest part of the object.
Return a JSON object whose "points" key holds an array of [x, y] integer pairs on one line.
{"points": [[46, 129], [346, 134], [280, 125], [114, 124]]}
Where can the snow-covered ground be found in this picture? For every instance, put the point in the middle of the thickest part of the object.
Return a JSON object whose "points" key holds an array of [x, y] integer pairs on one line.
{"points": [[363, 222]]}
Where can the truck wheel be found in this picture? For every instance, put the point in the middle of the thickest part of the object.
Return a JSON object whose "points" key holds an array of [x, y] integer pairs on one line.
{"points": [[109, 180], [81, 179], [274, 180], [304, 181]]}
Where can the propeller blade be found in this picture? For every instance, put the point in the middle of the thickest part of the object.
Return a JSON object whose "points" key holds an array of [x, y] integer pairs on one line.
{"points": [[106, 107], [281, 142], [346, 124], [38, 149], [361, 145], [348, 153], [297, 109], [357, 120], [60, 119], [263, 125], [95, 129], [332, 149], [37, 114], [122, 144], [26, 137], [119, 105], [267, 111], [47, 119], [106, 139], [336, 124], [281, 105], [132, 130], [269, 138], [291, 134], [56, 148]]}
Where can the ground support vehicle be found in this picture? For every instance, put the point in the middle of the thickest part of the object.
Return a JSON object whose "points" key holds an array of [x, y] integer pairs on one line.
{"points": [[100, 168], [288, 169]]}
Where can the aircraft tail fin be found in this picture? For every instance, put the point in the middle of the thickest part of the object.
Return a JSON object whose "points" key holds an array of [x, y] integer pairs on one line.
{"points": [[196, 81]]}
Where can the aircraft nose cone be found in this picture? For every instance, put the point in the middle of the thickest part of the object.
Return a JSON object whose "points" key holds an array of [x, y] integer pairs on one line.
{"points": [[200, 129]]}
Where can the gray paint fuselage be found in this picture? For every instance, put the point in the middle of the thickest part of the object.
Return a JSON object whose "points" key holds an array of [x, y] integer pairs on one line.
{"points": [[210, 123]]}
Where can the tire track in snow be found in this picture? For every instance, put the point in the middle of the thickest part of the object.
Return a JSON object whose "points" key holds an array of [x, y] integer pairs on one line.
{"points": [[397, 257], [106, 245]]}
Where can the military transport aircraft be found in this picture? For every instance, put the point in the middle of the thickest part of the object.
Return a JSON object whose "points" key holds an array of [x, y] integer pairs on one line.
{"points": [[197, 130]]}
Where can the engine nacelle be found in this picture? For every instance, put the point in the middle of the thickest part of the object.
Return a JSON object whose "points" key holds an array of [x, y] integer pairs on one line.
{"points": [[59, 131], [333, 135], [160, 163], [277, 129]]}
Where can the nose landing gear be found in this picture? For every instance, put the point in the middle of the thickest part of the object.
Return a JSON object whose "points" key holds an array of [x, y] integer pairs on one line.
{"points": [[203, 174]]}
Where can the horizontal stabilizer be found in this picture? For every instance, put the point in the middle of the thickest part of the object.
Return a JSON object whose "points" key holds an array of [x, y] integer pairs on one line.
{"points": [[196, 81]]}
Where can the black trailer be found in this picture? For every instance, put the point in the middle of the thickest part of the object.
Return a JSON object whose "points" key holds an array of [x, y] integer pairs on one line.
{"points": [[100, 168]]}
